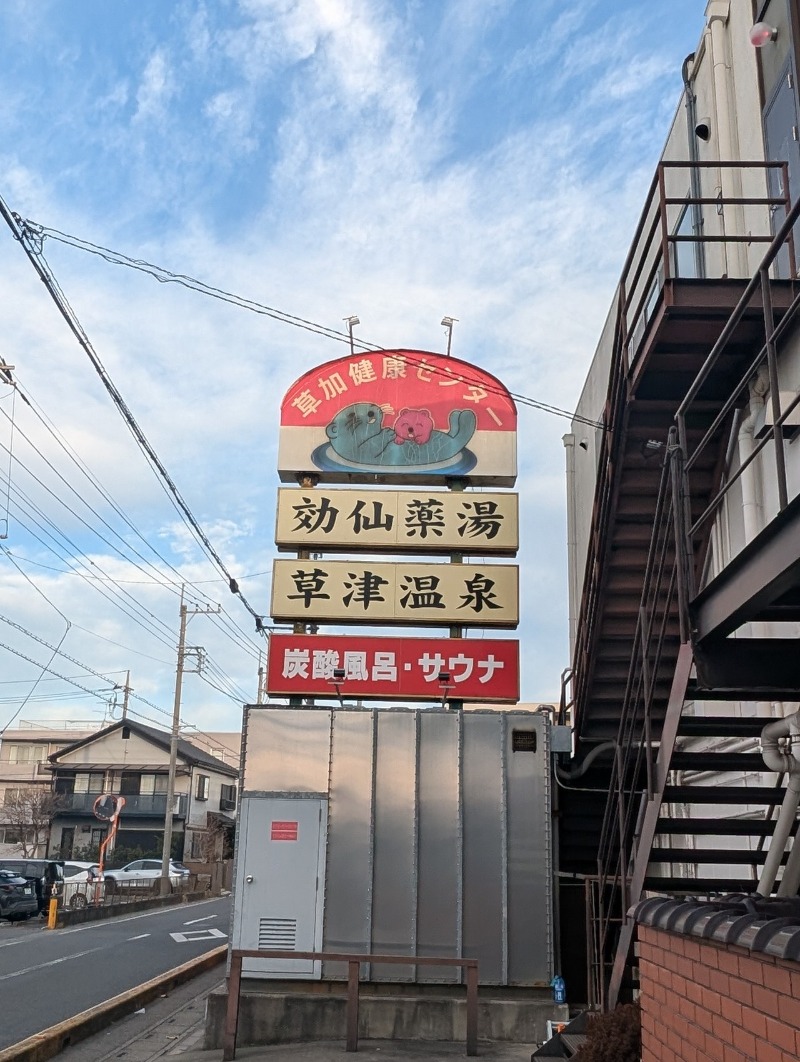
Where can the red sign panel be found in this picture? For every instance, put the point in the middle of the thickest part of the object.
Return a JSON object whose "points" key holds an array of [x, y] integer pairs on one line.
{"points": [[283, 831], [422, 669], [408, 416]]}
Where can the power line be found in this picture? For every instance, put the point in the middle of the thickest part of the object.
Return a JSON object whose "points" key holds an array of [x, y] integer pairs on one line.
{"points": [[34, 231], [31, 244]]}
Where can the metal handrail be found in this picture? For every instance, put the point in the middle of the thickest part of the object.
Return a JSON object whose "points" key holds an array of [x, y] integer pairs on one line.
{"points": [[632, 769], [633, 298], [353, 975], [672, 567]]}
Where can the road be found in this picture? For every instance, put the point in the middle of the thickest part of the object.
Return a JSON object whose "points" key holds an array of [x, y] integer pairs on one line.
{"points": [[47, 976]]}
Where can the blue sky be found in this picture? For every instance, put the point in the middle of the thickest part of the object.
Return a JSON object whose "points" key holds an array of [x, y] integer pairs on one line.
{"points": [[484, 159]]}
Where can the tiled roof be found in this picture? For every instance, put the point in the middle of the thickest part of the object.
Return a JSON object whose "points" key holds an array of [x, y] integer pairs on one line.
{"points": [[186, 750], [762, 924]]}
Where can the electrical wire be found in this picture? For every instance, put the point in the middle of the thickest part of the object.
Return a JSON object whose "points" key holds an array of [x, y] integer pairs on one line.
{"points": [[44, 668], [39, 233], [32, 245]]}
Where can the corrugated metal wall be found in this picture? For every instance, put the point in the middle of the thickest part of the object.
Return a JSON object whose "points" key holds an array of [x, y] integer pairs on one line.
{"points": [[438, 836]]}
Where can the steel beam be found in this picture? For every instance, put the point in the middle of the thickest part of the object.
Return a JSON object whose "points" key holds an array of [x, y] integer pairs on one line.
{"points": [[750, 669], [764, 571]]}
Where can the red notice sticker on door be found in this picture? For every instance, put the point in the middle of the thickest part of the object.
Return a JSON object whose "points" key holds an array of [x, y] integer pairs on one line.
{"points": [[283, 831]]}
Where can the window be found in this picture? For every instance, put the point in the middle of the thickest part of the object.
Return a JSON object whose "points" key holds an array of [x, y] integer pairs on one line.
{"points": [[227, 797], [14, 835], [11, 795], [130, 783], [89, 782], [160, 784], [685, 253], [203, 786], [27, 753]]}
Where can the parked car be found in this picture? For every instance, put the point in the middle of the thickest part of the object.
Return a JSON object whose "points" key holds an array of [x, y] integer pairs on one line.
{"points": [[83, 884], [17, 897], [45, 875], [144, 874]]}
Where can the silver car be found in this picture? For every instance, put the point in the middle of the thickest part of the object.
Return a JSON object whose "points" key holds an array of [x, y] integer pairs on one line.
{"points": [[83, 884], [144, 874]]}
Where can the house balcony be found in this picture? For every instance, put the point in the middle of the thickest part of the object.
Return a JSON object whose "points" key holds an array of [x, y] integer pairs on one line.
{"points": [[152, 806]]}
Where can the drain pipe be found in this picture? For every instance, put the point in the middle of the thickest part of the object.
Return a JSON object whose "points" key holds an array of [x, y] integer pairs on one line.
{"points": [[572, 539], [695, 188], [790, 881], [717, 15], [783, 762], [751, 500], [578, 772]]}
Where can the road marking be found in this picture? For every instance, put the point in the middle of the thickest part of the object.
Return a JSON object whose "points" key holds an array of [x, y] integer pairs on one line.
{"points": [[53, 962], [197, 934], [28, 935], [140, 937], [194, 921]]}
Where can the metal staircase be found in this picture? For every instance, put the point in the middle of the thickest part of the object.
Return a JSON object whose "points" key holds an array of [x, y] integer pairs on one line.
{"points": [[689, 803]]}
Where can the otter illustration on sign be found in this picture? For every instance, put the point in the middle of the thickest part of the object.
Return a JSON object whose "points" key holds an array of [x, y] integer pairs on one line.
{"points": [[359, 438]]}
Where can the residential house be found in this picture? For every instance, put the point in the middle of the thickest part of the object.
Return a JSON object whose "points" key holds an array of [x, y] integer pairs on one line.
{"points": [[131, 760], [24, 766]]}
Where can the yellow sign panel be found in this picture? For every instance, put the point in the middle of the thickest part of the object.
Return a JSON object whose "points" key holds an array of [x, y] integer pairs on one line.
{"points": [[397, 521], [432, 595]]}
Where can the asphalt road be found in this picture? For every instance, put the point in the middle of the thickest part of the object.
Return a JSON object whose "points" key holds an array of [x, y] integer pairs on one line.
{"points": [[47, 976]]}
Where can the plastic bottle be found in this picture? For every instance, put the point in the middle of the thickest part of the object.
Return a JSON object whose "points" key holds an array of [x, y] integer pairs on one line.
{"points": [[559, 989]]}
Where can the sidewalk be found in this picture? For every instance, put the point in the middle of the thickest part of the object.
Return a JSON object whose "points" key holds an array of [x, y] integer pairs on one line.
{"points": [[368, 1051]]}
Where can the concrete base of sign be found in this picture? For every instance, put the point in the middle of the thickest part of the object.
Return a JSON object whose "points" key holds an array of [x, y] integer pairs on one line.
{"points": [[296, 1012]]}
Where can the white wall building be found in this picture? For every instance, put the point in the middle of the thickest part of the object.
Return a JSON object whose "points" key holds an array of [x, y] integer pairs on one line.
{"points": [[684, 505]]}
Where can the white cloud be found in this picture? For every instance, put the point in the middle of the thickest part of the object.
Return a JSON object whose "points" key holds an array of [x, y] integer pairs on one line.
{"points": [[155, 88], [347, 129]]}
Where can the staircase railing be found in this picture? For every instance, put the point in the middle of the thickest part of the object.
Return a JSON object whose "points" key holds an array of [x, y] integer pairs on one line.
{"points": [[632, 771], [653, 262], [677, 552]]}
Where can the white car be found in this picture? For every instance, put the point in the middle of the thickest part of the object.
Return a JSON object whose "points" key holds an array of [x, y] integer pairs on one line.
{"points": [[144, 874], [83, 884]]}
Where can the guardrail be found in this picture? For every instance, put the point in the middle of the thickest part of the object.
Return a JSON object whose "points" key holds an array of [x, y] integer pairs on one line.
{"points": [[78, 895], [353, 977]]}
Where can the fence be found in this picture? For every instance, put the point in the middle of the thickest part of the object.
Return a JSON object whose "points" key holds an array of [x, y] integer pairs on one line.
{"points": [[353, 975]]}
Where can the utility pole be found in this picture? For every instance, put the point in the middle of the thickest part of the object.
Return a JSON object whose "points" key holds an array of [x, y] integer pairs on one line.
{"points": [[126, 692], [166, 850]]}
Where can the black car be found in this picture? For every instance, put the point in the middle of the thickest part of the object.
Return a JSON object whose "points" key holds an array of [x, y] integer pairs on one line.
{"points": [[17, 897], [46, 876]]}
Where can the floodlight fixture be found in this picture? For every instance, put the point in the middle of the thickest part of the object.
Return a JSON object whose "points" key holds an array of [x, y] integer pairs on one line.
{"points": [[448, 323], [351, 322]]}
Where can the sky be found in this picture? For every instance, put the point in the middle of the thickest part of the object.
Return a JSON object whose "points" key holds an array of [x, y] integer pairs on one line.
{"points": [[481, 159]]}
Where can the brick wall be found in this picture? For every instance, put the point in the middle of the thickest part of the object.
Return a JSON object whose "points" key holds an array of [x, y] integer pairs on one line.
{"points": [[705, 1001]]}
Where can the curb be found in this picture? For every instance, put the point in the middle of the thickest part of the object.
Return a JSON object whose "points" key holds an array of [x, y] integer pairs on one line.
{"points": [[52, 1041]]}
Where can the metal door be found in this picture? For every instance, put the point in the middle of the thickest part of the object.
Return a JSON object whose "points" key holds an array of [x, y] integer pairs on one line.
{"points": [[280, 876]]}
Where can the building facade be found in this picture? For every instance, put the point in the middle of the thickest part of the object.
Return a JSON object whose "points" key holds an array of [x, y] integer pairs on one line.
{"points": [[682, 507], [25, 775], [131, 760]]}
